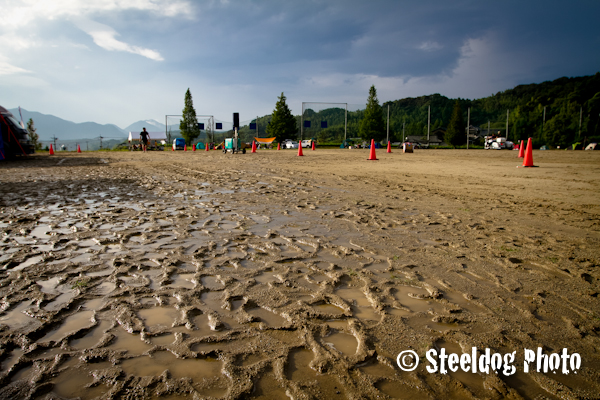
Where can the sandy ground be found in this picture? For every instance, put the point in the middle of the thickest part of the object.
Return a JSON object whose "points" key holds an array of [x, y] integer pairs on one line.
{"points": [[205, 275]]}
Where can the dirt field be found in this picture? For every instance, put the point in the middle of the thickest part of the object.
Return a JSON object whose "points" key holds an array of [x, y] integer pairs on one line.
{"points": [[204, 275]]}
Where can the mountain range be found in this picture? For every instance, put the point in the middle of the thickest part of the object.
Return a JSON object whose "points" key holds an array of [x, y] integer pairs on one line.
{"points": [[49, 126]]}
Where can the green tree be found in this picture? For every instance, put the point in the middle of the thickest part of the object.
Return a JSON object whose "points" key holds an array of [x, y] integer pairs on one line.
{"points": [[372, 126], [189, 124], [33, 136], [456, 132], [283, 123]]}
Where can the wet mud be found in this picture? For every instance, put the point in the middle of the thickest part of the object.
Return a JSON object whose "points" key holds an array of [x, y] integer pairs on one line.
{"points": [[211, 276]]}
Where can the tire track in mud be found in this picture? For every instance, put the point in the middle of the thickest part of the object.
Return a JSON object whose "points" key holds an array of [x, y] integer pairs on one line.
{"points": [[260, 285]]}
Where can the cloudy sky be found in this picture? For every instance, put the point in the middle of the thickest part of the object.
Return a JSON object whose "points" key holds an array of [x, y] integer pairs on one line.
{"points": [[120, 61]]}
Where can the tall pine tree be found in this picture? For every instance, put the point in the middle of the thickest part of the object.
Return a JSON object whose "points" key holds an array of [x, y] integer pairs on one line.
{"points": [[372, 125], [33, 136], [456, 132], [189, 124], [283, 124]]}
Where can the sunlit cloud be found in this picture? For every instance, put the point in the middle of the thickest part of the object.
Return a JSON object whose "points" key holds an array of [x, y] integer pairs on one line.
{"points": [[29, 10], [8, 69], [105, 37]]}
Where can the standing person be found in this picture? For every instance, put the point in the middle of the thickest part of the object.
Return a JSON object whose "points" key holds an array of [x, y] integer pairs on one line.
{"points": [[144, 136]]}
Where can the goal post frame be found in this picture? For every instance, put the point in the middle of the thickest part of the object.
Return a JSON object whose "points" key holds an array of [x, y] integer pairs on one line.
{"points": [[210, 118], [317, 102]]}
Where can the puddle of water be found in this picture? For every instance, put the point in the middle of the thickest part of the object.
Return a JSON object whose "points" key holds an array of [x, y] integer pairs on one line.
{"points": [[104, 272], [473, 381], [227, 345], [420, 322], [92, 338], [184, 281], [211, 282], [195, 369], [159, 317], [162, 340], [461, 301], [29, 262], [105, 288], [72, 382], [94, 304], [377, 369], [328, 308], [361, 306], [403, 295], [398, 390], [267, 387], [131, 343], [526, 386], [397, 312], [203, 328], [342, 342], [49, 286], [298, 370], [268, 317], [8, 362], [266, 277], [41, 232], [71, 324], [81, 259], [61, 300], [213, 300]]}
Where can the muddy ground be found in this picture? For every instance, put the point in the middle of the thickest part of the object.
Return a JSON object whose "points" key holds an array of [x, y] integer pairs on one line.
{"points": [[204, 275]]}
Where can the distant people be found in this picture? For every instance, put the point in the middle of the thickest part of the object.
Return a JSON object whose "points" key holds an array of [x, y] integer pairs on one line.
{"points": [[144, 136]]}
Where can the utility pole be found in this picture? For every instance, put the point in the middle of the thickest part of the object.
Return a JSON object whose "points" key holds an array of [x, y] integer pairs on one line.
{"points": [[580, 118], [388, 125], [506, 124], [403, 125], [468, 125], [428, 122], [54, 140], [543, 122], [101, 142]]}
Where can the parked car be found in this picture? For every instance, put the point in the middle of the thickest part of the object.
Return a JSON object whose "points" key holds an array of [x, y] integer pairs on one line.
{"points": [[307, 143], [291, 144], [497, 143]]}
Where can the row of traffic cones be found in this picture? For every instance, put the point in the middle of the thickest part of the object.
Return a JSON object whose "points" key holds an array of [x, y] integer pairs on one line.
{"points": [[52, 150], [527, 154]]}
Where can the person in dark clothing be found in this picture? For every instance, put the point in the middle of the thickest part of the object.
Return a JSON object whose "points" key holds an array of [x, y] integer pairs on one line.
{"points": [[144, 136]]}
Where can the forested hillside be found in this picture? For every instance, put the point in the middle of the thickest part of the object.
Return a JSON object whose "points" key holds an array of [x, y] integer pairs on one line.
{"points": [[565, 100]]}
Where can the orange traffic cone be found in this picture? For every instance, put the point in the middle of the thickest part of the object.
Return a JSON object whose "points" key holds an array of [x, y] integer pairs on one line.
{"points": [[278, 146], [522, 150], [185, 147], [528, 160], [51, 151], [389, 149], [206, 146], [173, 148], [313, 145], [253, 146], [300, 150], [194, 148], [78, 149], [372, 154]]}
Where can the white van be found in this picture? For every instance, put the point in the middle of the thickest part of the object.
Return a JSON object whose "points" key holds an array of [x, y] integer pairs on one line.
{"points": [[307, 143]]}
